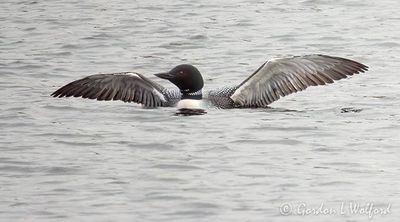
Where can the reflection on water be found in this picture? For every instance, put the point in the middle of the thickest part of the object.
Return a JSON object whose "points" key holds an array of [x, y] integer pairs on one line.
{"points": [[350, 110], [190, 112]]}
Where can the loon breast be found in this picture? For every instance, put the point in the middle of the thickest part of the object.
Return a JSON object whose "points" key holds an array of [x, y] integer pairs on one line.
{"points": [[190, 107], [191, 104]]}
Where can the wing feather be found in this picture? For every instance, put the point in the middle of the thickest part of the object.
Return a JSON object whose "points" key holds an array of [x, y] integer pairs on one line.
{"points": [[280, 77], [127, 87]]}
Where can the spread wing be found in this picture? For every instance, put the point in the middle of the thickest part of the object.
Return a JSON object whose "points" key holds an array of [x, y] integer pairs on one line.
{"points": [[126, 86], [280, 77]]}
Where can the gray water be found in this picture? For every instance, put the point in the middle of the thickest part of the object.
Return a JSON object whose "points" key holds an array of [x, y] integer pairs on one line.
{"points": [[81, 160]]}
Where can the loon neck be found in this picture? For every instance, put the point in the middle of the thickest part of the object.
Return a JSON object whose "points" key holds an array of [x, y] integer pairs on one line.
{"points": [[193, 95]]}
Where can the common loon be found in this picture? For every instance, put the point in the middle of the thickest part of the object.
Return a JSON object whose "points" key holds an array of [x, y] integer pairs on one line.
{"points": [[274, 79]]}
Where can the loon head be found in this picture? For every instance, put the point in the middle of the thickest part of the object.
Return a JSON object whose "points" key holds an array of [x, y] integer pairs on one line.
{"points": [[186, 77]]}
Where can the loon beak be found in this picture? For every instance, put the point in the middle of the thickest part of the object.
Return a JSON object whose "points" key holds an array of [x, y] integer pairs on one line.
{"points": [[164, 75]]}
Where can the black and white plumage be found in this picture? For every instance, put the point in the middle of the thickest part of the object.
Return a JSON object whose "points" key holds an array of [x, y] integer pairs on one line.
{"points": [[124, 86], [272, 80]]}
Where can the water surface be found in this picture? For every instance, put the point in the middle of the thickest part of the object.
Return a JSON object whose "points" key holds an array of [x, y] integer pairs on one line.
{"points": [[75, 159]]}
